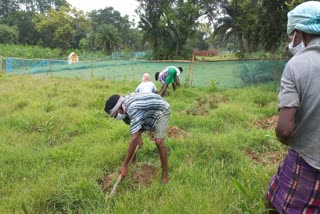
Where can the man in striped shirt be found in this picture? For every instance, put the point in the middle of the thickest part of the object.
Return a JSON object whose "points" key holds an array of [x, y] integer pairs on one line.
{"points": [[143, 112]]}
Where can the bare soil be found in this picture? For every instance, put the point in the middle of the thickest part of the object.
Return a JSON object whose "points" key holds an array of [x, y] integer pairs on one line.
{"points": [[269, 123], [175, 132], [204, 104], [172, 132], [142, 175], [274, 157]]}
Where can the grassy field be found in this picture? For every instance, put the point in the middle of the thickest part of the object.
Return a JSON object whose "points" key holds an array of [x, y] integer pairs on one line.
{"points": [[58, 148]]}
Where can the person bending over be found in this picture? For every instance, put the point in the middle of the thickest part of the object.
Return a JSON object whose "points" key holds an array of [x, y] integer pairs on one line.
{"points": [[169, 75], [144, 112]]}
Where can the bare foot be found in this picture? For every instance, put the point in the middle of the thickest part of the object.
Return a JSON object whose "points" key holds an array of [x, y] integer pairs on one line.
{"points": [[165, 179]]}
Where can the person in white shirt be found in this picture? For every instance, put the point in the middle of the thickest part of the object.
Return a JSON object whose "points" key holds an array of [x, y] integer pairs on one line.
{"points": [[146, 86]]}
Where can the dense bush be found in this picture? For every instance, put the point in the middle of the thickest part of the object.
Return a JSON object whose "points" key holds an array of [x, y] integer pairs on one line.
{"points": [[260, 71], [28, 51], [8, 34]]}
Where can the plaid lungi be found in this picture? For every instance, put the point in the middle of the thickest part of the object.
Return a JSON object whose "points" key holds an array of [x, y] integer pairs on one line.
{"points": [[295, 188]]}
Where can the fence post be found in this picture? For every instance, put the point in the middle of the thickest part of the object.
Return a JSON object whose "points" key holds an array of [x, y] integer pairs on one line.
{"points": [[91, 71], [49, 63], [191, 71], [132, 67], [24, 66]]}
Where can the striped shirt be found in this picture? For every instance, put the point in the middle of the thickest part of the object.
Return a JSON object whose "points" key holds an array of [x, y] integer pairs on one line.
{"points": [[144, 109]]}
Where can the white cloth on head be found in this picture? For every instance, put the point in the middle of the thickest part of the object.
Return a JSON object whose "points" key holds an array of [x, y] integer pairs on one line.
{"points": [[146, 77], [305, 17], [115, 108]]}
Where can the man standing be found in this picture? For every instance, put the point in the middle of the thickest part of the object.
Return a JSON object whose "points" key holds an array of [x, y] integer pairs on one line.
{"points": [[144, 112], [169, 75], [295, 188]]}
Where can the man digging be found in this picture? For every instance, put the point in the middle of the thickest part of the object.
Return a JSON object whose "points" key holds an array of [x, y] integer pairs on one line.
{"points": [[143, 112]]}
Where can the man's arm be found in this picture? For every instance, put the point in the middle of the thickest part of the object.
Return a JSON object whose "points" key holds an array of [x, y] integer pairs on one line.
{"points": [[285, 124], [177, 81], [135, 140]]}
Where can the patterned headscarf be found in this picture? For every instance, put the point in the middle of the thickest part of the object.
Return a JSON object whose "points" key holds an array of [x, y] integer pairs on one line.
{"points": [[305, 17]]}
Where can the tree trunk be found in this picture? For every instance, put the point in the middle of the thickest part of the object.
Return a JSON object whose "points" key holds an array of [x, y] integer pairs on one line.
{"points": [[178, 49], [240, 41]]}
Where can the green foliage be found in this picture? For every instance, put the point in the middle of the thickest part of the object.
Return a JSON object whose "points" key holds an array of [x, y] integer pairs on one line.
{"points": [[57, 145], [168, 25], [264, 71], [107, 38], [29, 52], [214, 85], [8, 34], [293, 3], [58, 27]]}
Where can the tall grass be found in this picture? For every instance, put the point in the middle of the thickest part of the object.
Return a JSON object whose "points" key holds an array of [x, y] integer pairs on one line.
{"points": [[57, 145]]}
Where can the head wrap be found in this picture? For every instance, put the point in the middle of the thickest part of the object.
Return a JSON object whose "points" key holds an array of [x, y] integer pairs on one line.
{"points": [[146, 77], [305, 17], [113, 104]]}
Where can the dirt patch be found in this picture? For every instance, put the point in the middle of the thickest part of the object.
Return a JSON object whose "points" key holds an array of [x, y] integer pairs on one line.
{"points": [[175, 132], [108, 181], [274, 157], [172, 132], [142, 175], [206, 103], [269, 123]]}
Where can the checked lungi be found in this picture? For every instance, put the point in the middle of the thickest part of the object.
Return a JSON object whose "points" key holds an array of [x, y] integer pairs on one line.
{"points": [[295, 188]]}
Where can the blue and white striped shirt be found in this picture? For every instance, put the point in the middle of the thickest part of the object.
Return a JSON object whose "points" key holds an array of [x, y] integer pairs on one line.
{"points": [[144, 109]]}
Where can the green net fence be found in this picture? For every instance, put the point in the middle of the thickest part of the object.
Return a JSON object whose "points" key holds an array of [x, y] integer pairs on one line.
{"points": [[227, 74]]}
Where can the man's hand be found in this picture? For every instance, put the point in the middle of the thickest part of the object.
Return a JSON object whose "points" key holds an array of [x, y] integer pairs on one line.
{"points": [[123, 172]]}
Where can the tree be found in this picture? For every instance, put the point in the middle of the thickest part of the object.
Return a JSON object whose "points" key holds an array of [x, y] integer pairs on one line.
{"points": [[8, 34], [229, 25], [8, 6], [293, 3], [58, 28], [23, 21], [273, 18], [109, 16], [248, 16], [169, 24], [150, 12], [201, 40], [42, 6], [181, 17], [107, 38]]}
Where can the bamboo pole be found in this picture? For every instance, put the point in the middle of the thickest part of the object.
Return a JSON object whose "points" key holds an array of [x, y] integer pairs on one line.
{"points": [[50, 69], [115, 186], [91, 70], [24, 66]]}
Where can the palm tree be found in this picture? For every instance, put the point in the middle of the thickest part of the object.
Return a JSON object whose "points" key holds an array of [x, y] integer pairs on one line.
{"points": [[229, 25], [107, 38]]}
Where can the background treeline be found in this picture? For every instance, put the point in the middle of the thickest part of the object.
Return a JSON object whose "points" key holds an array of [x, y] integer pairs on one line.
{"points": [[168, 29]]}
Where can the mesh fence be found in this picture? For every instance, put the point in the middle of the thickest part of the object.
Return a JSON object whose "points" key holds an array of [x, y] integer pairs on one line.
{"points": [[227, 74]]}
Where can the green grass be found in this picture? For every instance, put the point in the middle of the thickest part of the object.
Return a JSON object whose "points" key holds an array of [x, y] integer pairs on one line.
{"points": [[57, 144]]}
